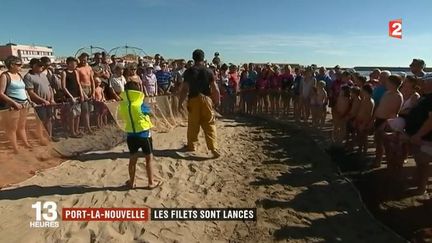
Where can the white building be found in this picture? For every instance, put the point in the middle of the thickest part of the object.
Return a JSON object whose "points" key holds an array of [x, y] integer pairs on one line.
{"points": [[26, 52]]}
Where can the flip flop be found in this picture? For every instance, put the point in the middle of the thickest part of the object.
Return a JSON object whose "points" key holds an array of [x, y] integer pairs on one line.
{"points": [[157, 184]]}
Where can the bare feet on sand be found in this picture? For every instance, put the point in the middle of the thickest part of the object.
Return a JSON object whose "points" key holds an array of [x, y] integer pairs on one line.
{"points": [[130, 185]]}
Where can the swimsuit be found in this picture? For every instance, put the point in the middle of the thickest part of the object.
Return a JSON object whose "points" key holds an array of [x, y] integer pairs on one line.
{"points": [[307, 88]]}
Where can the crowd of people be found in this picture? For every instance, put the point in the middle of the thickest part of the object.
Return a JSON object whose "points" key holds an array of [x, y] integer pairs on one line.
{"points": [[394, 108]]}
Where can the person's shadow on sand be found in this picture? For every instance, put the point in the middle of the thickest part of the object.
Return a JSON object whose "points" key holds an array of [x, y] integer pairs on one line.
{"points": [[102, 156], [39, 191], [181, 154], [167, 153]]}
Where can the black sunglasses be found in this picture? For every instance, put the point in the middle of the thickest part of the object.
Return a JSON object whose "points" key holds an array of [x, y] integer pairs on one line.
{"points": [[18, 64]]}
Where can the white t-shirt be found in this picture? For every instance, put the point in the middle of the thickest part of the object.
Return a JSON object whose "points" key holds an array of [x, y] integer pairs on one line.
{"points": [[150, 83], [117, 83]]}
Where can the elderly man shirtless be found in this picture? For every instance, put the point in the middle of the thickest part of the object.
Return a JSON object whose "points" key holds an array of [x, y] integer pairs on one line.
{"points": [[389, 106]]}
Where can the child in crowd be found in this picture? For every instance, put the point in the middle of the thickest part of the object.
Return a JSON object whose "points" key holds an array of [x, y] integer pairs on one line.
{"points": [[247, 87], [343, 105], [286, 84], [318, 101], [315, 106], [138, 124], [223, 82], [305, 94], [242, 80], [323, 100], [363, 119], [275, 90], [232, 89], [355, 105], [296, 93], [262, 87], [101, 110]]}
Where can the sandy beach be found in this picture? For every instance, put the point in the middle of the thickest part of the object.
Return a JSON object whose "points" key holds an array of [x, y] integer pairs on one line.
{"points": [[276, 168]]}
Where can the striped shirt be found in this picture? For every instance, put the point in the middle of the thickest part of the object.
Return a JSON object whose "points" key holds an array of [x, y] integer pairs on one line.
{"points": [[163, 78]]}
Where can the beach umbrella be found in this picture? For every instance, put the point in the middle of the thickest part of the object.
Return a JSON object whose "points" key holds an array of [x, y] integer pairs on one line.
{"points": [[129, 53], [89, 50]]}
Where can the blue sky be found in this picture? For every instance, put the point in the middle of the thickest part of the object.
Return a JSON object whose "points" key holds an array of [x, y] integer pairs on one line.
{"points": [[329, 32]]}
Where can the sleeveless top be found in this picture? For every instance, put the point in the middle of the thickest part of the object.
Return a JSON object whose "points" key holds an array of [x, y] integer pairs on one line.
{"points": [[16, 90], [72, 83]]}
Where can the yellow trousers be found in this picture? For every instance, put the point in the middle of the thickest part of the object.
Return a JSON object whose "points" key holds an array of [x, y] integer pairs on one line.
{"points": [[200, 114]]}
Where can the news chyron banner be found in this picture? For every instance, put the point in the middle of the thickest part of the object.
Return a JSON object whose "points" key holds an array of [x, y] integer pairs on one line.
{"points": [[46, 214]]}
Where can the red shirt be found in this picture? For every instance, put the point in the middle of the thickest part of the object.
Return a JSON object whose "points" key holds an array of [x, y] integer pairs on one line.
{"points": [[276, 82], [234, 80], [262, 84]]}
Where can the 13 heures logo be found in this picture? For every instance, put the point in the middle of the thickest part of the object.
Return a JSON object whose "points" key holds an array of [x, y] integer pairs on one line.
{"points": [[395, 28], [47, 218]]}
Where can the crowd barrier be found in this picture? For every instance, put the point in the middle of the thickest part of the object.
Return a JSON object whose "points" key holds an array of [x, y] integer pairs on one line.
{"points": [[49, 150]]}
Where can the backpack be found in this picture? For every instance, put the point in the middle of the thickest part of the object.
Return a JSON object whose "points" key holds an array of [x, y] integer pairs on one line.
{"points": [[3, 104]]}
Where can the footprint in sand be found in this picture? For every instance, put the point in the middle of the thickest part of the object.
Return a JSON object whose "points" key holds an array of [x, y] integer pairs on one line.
{"points": [[92, 236], [83, 225], [122, 228], [75, 202], [171, 168], [103, 173], [191, 168]]}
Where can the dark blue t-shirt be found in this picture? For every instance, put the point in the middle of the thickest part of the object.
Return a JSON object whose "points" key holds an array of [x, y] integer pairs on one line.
{"points": [[163, 78]]}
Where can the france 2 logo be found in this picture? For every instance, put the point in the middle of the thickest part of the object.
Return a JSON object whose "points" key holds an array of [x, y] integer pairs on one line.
{"points": [[395, 28], [47, 219]]}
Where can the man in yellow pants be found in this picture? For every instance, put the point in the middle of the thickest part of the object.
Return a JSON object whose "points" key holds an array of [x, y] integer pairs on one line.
{"points": [[200, 86]]}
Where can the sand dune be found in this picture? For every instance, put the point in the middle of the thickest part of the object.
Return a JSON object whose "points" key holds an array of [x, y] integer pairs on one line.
{"points": [[274, 168]]}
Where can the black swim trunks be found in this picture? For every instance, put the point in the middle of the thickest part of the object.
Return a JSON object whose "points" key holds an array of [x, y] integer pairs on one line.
{"points": [[350, 126], [135, 143], [378, 122]]}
